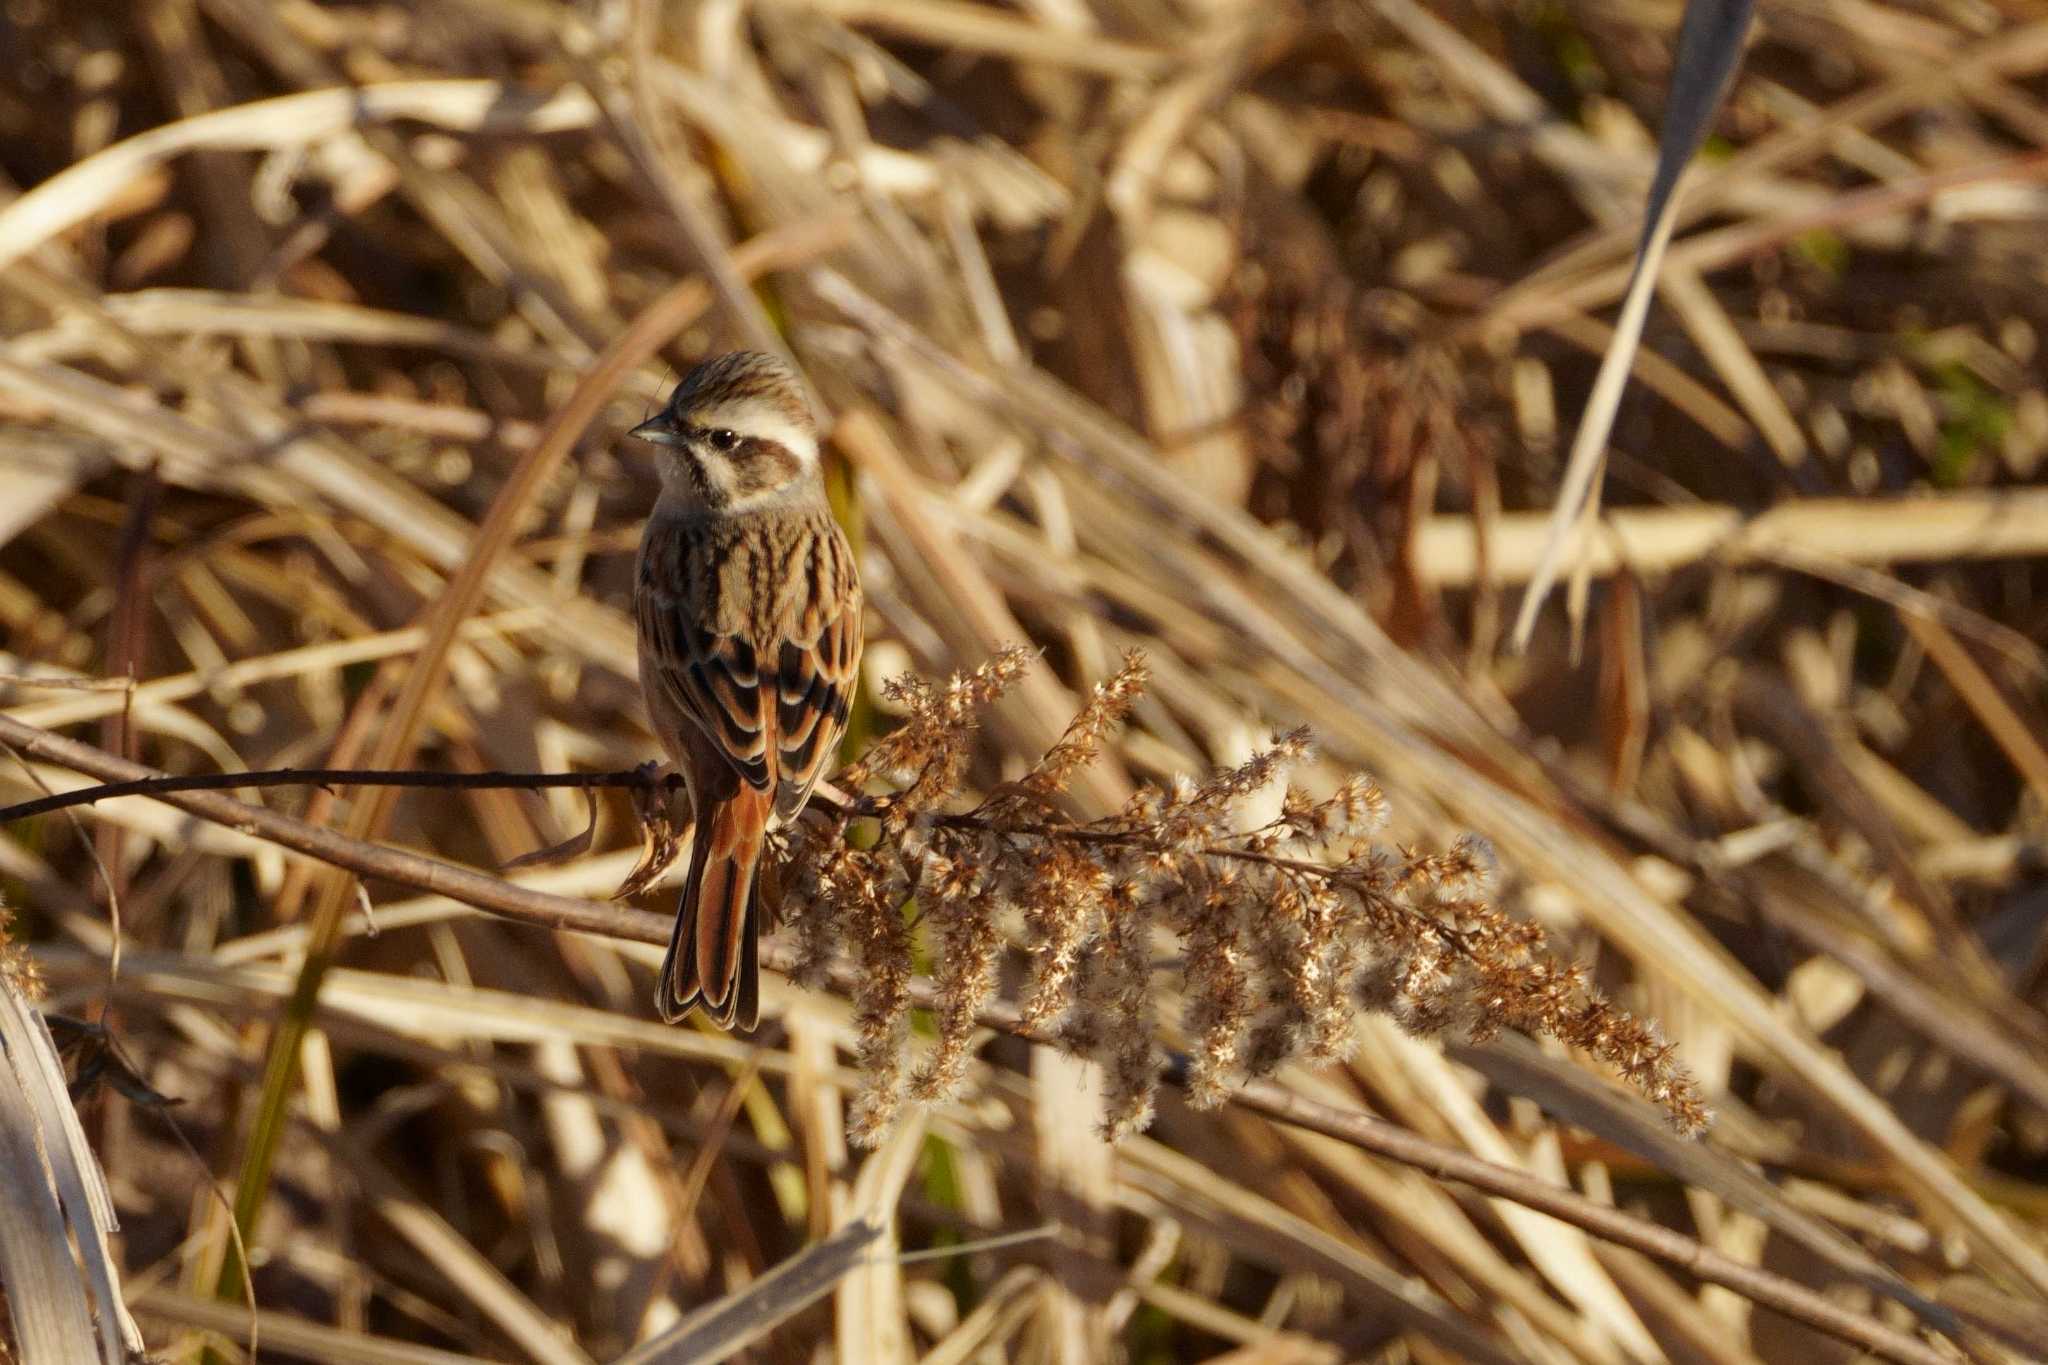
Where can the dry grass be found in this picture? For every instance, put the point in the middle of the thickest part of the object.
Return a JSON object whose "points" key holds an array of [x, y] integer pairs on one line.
{"points": [[1251, 338]]}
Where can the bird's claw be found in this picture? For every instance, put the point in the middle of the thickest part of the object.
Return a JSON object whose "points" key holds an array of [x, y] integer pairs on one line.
{"points": [[658, 827]]}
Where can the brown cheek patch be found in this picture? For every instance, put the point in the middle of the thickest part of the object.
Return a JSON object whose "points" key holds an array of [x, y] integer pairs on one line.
{"points": [[762, 467]]}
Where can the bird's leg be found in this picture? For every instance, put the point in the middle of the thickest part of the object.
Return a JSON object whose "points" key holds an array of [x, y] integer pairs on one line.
{"points": [[663, 836]]}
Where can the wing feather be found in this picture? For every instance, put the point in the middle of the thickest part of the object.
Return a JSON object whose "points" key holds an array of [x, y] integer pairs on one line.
{"points": [[773, 707], [818, 677]]}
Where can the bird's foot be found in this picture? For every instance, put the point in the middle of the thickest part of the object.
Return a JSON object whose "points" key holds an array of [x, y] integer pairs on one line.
{"points": [[659, 829]]}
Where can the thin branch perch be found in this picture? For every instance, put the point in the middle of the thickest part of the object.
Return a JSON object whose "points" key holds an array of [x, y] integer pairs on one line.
{"points": [[332, 777]]}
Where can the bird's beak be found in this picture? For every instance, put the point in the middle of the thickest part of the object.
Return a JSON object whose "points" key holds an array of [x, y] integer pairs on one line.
{"points": [[658, 430]]}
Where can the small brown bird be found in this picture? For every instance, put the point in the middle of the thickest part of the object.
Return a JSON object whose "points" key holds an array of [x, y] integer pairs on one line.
{"points": [[750, 636]]}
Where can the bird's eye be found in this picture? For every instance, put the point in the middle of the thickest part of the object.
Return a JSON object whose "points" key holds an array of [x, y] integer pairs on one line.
{"points": [[721, 439]]}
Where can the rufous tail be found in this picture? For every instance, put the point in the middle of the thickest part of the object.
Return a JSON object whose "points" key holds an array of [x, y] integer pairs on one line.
{"points": [[714, 957]]}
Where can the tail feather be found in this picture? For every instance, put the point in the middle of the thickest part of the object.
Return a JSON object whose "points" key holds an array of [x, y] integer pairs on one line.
{"points": [[714, 960]]}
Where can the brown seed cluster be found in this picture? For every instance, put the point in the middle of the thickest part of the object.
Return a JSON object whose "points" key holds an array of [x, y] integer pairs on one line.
{"points": [[16, 964], [1285, 927]]}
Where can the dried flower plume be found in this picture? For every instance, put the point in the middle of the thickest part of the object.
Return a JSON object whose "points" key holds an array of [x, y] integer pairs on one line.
{"points": [[1285, 930]]}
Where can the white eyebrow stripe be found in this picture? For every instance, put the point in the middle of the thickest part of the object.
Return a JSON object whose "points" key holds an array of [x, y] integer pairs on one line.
{"points": [[762, 423]]}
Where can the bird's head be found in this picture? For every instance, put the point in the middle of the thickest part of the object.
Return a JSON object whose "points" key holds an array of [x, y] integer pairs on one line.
{"points": [[737, 431]]}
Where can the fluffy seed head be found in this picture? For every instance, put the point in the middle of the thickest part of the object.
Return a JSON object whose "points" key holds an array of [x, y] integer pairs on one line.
{"points": [[1284, 929]]}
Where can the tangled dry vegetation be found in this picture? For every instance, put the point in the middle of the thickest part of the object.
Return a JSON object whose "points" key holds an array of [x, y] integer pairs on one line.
{"points": [[1287, 928], [1245, 338]]}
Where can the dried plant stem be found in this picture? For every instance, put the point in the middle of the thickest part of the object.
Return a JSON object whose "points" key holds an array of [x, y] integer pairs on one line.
{"points": [[1927, 528], [635, 778], [333, 777], [511, 901], [367, 860]]}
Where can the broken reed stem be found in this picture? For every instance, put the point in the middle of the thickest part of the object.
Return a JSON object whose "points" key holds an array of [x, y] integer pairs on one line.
{"points": [[510, 901]]}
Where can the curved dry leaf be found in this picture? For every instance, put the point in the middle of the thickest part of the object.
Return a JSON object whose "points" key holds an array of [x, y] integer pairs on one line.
{"points": [[1709, 45], [65, 1305]]}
